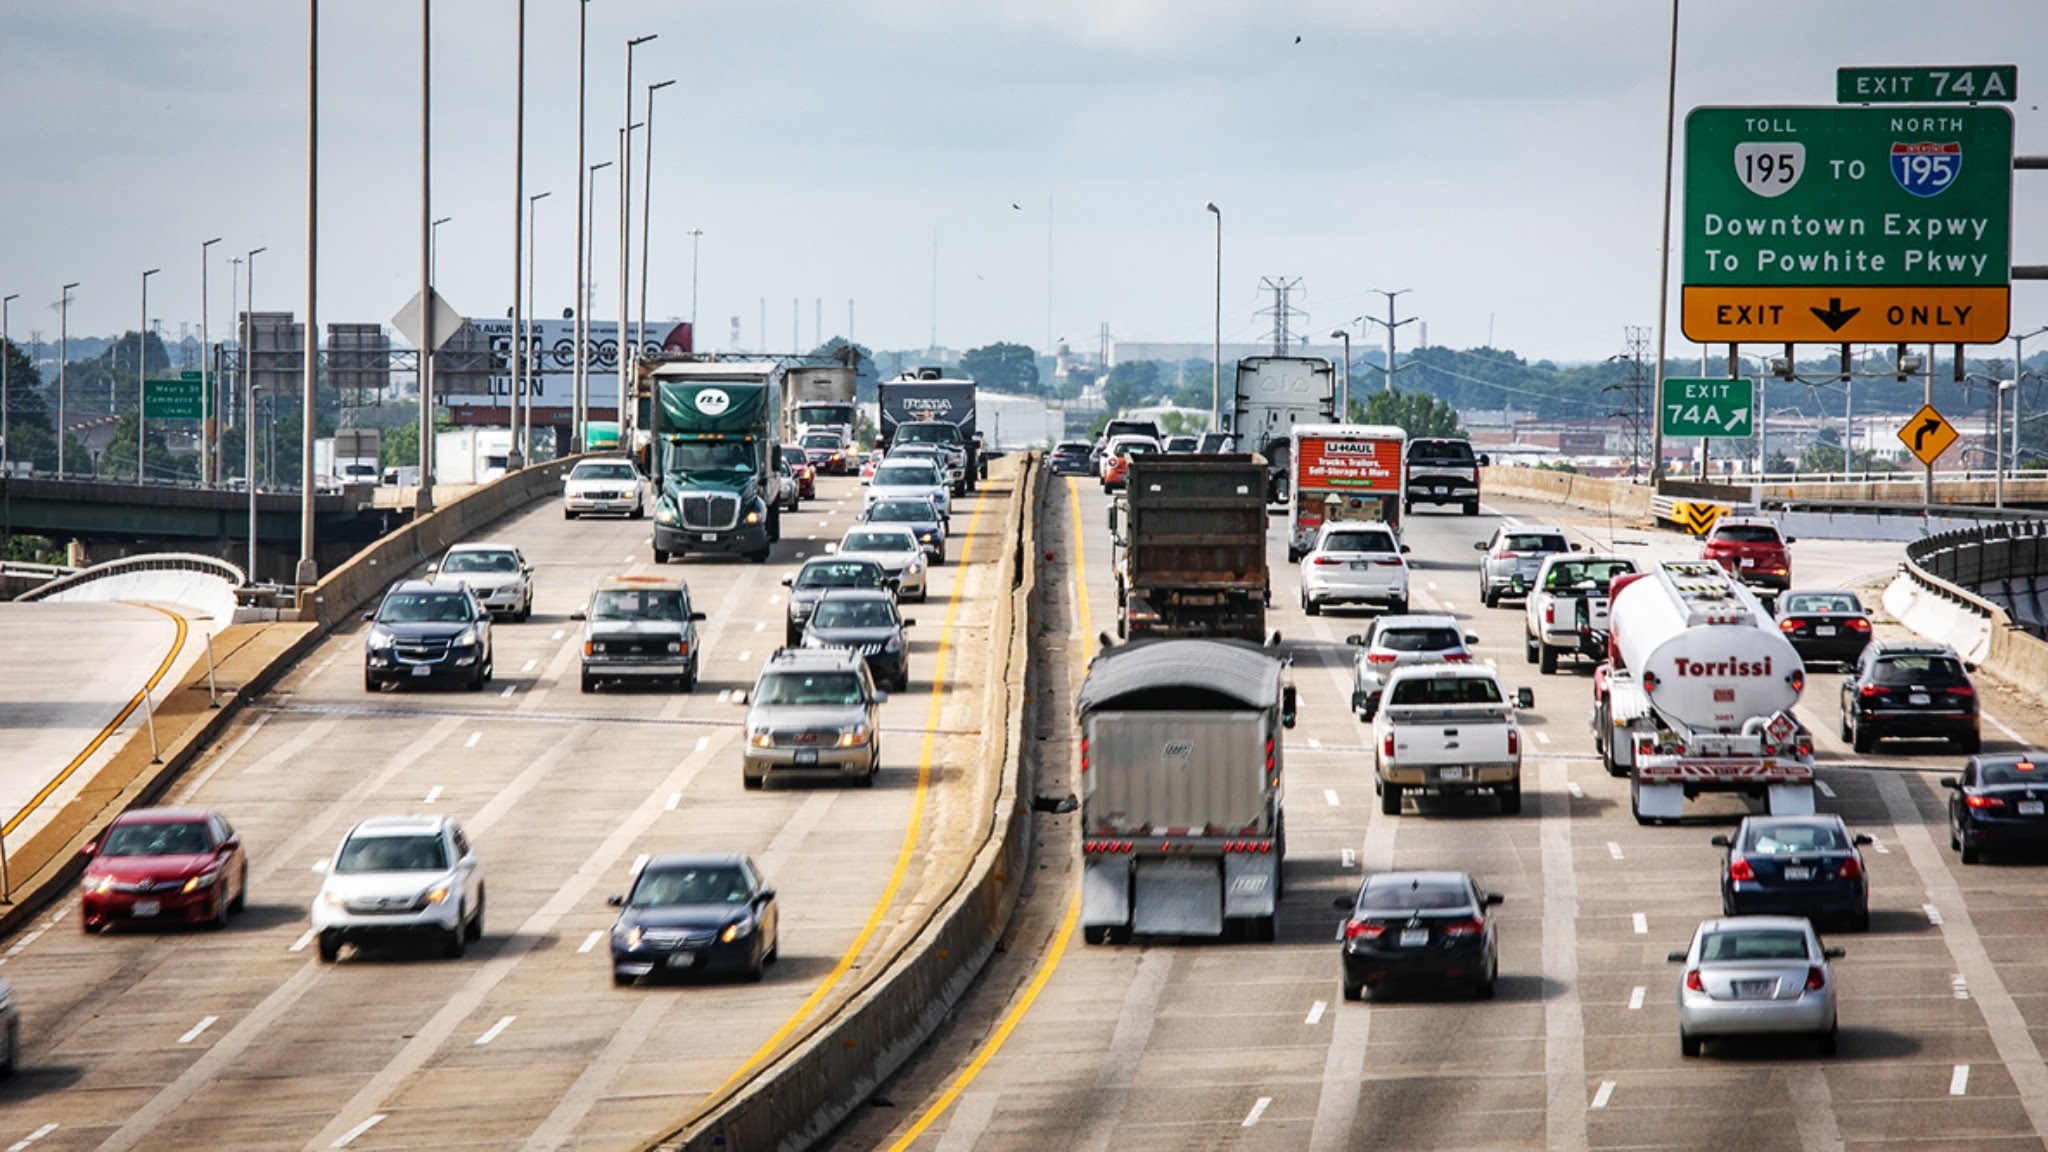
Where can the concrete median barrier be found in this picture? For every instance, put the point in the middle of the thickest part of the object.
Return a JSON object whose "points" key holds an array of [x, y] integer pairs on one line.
{"points": [[1618, 497]]}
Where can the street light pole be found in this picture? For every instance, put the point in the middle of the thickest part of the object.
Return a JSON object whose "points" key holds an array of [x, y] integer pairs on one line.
{"points": [[588, 244], [2019, 372], [1216, 333], [697, 234], [141, 388], [308, 569], [1344, 386], [525, 357], [423, 499], [6, 361], [63, 362], [516, 458], [647, 210], [578, 383], [209, 411], [626, 233], [249, 404]]}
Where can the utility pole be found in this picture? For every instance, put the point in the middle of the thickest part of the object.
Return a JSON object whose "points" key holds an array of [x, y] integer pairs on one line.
{"points": [[1390, 324], [1282, 312], [1638, 343], [516, 458]]}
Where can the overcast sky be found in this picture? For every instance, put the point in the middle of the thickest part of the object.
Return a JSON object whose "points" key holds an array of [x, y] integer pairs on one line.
{"points": [[1502, 160]]}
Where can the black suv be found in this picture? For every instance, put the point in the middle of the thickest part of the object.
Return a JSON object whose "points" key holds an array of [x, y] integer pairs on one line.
{"points": [[866, 621], [1908, 690], [424, 632], [1443, 472], [820, 575]]}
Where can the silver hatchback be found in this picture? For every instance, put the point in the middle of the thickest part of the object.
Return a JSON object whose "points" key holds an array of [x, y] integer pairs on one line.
{"points": [[1756, 975], [1513, 554]]}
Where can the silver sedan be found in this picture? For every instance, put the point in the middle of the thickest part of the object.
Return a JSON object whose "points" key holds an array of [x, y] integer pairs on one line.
{"points": [[1756, 975]]}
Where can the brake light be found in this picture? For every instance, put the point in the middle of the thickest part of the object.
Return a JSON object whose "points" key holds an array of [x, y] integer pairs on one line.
{"points": [[1961, 690], [1981, 802], [1327, 561], [1462, 928], [1859, 624], [1269, 756], [1388, 561], [1380, 657], [1457, 657], [1851, 869], [1692, 981], [1870, 691], [1550, 613], [1816, 979], [1739, 868], [1791, 625], [1366, 928], [1387, 745], [1514, 742]]}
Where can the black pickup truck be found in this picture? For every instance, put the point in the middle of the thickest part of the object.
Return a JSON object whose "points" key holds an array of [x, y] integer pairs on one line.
{"points": [[1443, 472]]}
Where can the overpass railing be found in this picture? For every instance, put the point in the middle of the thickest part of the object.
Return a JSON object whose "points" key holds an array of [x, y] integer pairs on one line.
{"points": [[154, 562], [1997, 569]]}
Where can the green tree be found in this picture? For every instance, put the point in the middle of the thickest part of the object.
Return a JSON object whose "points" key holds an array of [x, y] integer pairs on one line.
{"points": [[1002, 367], [1130, 384], [117, 460], [29, 426], [1416, 413]]}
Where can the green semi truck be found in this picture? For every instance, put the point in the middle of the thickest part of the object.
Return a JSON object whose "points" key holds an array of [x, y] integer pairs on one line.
{"points": [[712, 450]]}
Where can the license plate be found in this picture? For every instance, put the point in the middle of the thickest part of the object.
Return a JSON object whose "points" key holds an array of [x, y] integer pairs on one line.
{"points": [[422, 670], [2030, 808], [1747, 563], [1439, 491], [1824, 630], [1360, 565], [807, 756], [1753, 989], [681, 959], [1798, 873], [1919, 698], [1414, 937], [710, 537], [147, 907], [1451, 773]]}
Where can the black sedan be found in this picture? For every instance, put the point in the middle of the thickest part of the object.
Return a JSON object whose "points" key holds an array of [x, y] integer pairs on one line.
{"points": [[1072, 458], [1796, 866], [423, 632], [1913, 689], [1825, 627], [922, 517], [1428, 927], [865, 621], [1998, 801], [695, 913], [819, 575]]}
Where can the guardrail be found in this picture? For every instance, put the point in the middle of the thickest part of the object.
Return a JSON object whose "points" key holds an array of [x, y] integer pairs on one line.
{"points": [[1999, 568], [153, 562]]}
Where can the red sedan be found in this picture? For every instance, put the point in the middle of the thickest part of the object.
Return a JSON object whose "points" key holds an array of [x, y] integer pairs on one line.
{"points": [[182, 865]]}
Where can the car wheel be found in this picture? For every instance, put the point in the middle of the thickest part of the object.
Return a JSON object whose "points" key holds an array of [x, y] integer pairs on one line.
{"points": [[1970, 745], [568, 514], [1970, 853], [621, 980], [1095, 934], [1309, 606], [1828, 1041], [1484, 989], [589, 682], [1390, 799], [476, 922], [1843, 725], [12, 1056], [369, 683], [1353, 992], [1860, 921], [1546, 659], [219, 921], [456, 942], [1860, 740], [753, 783], [1511, 800], [241, 900], [639, 511], [330, 947], [1488, 599], [924, 594], [476, 679], [1688, 1045], [1399, 607], [526, 610]]}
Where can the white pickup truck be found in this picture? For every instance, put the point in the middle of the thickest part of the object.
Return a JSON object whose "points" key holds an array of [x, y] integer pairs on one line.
{"points": [[1448, 729], [1567, 609]]}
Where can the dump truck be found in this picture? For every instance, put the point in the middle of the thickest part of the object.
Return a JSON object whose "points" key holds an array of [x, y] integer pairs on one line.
{"points": [[1190, 537], [1273, 394], [713, 448], [1182, 831], [1697, 694]]}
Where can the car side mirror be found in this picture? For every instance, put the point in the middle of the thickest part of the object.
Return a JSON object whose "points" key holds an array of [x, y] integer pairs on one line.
{"points": [[1342, 904], [433, 568], [1578, 547], [1485, 460], [831, 548], [1479, 545], [740, 698], [1494, 900], [370, 617], [578, 614], [1355, 640], [881, 697], [1950, 782], [1287, 706], [1525, 697], [697, 616], [1720, 842], [1859, 840], [1791, 539], [789, 581], [1675, 957], [1405, 550], [1471, 639], [765, 895], [1834, 953], [910, 623], [230, 844], [615, 900], [1968, 666], [92, 848]]}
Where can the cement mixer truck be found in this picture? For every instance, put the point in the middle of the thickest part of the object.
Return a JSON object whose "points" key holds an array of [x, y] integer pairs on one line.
{"points": [[1697, 695]]}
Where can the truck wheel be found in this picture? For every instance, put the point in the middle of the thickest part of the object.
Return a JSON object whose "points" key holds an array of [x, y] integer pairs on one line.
{"points": [[1529, 649], [1546, 659], [1969, 745], [1390, 799], [1095, 934], [660, 557], [1511, 801], [759, 556], [1471, 507], [1399, 607], [589, 683]]}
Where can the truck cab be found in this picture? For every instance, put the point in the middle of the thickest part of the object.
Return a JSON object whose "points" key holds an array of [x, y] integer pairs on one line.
{"points": [[715, 456]]}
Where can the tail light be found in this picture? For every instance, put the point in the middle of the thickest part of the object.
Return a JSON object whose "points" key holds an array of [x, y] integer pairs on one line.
{"points": [[1514, 742], [1815, 978], [1791, 625], [1463, 928], [1739, 868], [1550, 613], [1269, 756], [1692, 981], [1962, 690], [1851, 869], [1388, 561], [1356, 929], [1859, 624], [1380, 657], [1457, 657], [1870, 691], [1984, 802], [1387, 745], [1327, 562]]}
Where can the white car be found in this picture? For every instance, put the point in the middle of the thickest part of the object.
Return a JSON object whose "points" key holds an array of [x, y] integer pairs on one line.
{"points": [[608, 485], [911, 480], [401, 876], [896, 549], [10, 1030], [497, 573], [1756, 975], [1355, 562]]}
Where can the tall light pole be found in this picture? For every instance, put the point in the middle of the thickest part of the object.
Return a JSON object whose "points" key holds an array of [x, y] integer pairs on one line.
{"points": [[526, 355], [1344, 384], [63, 362], [434, 249], [6, 360], [209, 411], [1664, 255], [697, 234], [142, 389], [578, 384], [626, 232], [423, 499], [1390, 324], [647, 210], [308, 569], [587, 245], [249, 404], [516, 458], [1216, 338]]}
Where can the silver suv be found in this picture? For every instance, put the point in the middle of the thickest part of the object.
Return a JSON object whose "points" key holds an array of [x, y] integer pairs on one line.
{"points": [[1513, 555], [396, 877], [1397, 642], [814, 712], [639, 628]]}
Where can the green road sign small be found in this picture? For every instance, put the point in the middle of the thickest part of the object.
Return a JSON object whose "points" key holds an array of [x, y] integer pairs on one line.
{"points": [[1965, 84], [1695, 407], [192, 374], [174, 399]]}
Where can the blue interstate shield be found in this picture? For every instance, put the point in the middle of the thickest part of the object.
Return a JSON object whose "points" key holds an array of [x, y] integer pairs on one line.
{"points": [[1926, 169]]}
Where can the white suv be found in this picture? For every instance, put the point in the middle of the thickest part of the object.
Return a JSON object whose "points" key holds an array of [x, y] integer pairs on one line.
{"points": [[1355, 563], [401, 876]]}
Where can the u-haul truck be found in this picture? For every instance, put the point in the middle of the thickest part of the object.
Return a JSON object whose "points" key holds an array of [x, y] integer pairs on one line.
{"points": [[1342, 472], [1697, 694]]}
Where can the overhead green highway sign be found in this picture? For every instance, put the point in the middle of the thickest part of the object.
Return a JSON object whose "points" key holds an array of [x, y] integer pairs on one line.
{"points": [[1982, 83], [1694, 407]]}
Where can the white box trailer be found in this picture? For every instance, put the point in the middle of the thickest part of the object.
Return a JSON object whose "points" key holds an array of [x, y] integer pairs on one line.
{"points": [[1698, 694], [1181, 786]]}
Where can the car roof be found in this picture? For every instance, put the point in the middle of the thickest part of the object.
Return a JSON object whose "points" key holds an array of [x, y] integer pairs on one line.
{"points": [[1768, 923], [834, 558], [1395, 879], [163, 815], [891, 529], [483, 546], [1417, 620], [1823, 592], [1745, 522], [1436, 671], [1072, 446], [784, 659], [425, 586], [1353, 526], [1912, 648], [636, 582], [922, 502], [398, 826], [1773, 821], [669, 860], [1531, 529], [603, 460], [882, 595]]}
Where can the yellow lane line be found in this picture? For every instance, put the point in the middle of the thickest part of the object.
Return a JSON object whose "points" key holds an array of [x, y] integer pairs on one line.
{"points": [[134, 702], [1065, 934], [910, 834]]}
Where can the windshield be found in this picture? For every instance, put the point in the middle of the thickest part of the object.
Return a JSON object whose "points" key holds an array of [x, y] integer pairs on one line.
{"points": [[824, 414], [602, 470], [1394, 894], [1447, 690], [688, 886], [1823, 602], [1359, 542], [1417, 639], [424, 608], [1900, 671], [157, 840], [822, 440], [710, 456], [902, 512], [1534, 542], [928, 432], [906, 475], [878, 542], [1596, 574], [815, 689], [840, 574], [1754, 944], [854, 614], [500, 562], [393, 854], [636, 604]]}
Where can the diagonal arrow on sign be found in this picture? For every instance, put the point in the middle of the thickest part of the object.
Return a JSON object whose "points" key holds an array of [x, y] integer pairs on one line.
{"points": [[1928, 427], [1738, 416]]}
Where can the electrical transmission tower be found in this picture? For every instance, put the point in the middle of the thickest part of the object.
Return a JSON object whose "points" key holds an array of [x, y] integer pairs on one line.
{"points": [[1637, 414], [1282, 312]]}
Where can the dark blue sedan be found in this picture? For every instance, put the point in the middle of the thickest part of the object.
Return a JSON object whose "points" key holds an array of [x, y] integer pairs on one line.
{"points": [[1796, 866], [695, 914], [1998, 801]]}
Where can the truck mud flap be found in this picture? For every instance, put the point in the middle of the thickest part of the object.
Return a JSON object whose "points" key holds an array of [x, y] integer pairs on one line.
{"points": [[1791, 799], [1658, 801], [1106, 892], [1249, 884], [1178, 897]]}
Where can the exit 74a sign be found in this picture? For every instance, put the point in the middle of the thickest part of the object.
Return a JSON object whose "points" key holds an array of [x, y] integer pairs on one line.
{"points": [[1694, 408]]}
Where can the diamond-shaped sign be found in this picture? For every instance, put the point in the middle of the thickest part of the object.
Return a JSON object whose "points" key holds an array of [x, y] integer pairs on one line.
{"points": [[1927, 434], [1780, 728]]}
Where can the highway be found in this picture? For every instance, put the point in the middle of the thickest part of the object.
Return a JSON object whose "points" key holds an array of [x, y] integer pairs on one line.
{"points": [[1167, 1044], [243, 1039]]}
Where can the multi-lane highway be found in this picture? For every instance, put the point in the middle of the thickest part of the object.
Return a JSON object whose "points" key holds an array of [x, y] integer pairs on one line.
{"points": [[1173, 1044], [243, 1039]]}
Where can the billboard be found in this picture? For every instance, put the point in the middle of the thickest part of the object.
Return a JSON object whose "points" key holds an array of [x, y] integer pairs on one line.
{"points": [[1349, 463], [550, 346]]}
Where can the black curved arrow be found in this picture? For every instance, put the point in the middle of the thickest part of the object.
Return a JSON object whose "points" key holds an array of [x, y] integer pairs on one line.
{"points": [[1834, 315], [1927, 428]]}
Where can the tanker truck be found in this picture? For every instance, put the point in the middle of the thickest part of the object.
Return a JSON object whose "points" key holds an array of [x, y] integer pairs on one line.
{"points": [[1697, 695]]}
